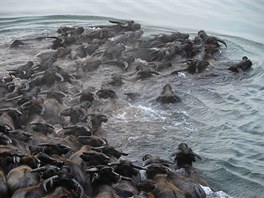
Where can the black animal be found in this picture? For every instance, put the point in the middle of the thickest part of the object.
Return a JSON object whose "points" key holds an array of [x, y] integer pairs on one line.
{"points": [[244, 65], [212, 40], [167, 96], [185, 156], [194, 66]]}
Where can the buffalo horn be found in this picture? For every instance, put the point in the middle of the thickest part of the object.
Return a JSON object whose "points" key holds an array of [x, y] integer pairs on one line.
{"points": [[221, 41], [138, 167], [45, 182], [10, 109], [59, 76], [14, 98]]}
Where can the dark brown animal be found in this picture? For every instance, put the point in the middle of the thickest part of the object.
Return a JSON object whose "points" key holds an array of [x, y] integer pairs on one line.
{"points": [[158, 184], [210, 39], [194, 66], [185, 156], [244, 65], [167, 96]]}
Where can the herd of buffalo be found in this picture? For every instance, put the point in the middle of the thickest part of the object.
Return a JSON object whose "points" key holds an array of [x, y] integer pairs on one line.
{"points": [[52, 143]]}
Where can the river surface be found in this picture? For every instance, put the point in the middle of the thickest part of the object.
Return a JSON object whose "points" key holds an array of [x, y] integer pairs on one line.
{"points": [[221, 116]]}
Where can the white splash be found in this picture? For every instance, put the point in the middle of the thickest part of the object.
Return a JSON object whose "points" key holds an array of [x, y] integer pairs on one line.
{"points": [[139, 113], [141, 138], [181, 75], [211, 194]]}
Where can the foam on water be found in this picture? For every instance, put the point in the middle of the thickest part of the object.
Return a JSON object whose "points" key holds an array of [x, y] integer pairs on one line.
{"points": [[138, 113], [212, 194]]}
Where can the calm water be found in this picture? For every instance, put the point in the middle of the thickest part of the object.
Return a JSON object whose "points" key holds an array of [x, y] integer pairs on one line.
{"points": [[220, 117]]}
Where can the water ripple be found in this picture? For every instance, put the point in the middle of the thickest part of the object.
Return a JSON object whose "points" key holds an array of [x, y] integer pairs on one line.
{"points": [[220, 116]]}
